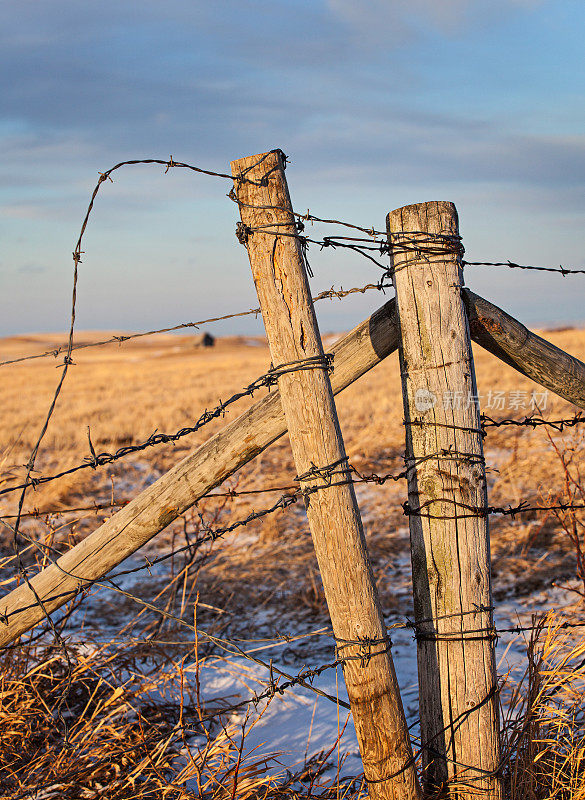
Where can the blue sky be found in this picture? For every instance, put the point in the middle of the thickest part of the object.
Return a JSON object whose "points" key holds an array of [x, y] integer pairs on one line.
{"points": [[377, 104]]}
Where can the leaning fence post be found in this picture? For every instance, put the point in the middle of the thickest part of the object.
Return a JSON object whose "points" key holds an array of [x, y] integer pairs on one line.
{"points": [[268, 228], [447, 502], [187, 482]]}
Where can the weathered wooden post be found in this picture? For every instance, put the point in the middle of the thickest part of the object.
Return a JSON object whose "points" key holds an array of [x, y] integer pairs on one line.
{"points": [[291, 326], [446, 501]]}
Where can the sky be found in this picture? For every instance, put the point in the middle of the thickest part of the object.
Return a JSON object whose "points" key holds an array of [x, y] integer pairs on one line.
{"points": [[377, 104]]}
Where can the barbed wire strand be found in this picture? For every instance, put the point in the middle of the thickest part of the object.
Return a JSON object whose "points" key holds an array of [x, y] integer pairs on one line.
{"points": [[328, 294]]}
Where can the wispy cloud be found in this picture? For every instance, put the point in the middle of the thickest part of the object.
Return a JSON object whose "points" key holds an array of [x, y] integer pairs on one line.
{"points": [[396, 18], [32, 269]]}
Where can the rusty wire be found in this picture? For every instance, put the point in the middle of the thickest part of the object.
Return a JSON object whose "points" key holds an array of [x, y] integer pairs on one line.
{"points": [[289, 498], [39, 513], [30, 465], [95, 460], [534, 422], [560, 270], [327, 294], [279, 681], [337, 474], [523, 507]]}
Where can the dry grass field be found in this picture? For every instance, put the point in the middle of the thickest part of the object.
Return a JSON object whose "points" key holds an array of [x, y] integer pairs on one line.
{"points": [[259, 582], [125, 393]]}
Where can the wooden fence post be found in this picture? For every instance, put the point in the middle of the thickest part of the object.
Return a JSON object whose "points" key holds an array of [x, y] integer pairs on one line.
{"points": [[447, 486], [279, 274]]}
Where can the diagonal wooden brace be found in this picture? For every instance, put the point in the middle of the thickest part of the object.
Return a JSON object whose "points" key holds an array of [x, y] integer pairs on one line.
{"points": [[509, 340], [180, 488]]}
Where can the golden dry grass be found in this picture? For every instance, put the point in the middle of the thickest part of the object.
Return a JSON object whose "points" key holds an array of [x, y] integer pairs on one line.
{"points": [[124, 393], [545, 727], [84, 733]]}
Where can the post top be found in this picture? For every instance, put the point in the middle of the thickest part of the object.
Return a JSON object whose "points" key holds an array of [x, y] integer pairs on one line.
{"points": [[247, 162], [434, 216]]}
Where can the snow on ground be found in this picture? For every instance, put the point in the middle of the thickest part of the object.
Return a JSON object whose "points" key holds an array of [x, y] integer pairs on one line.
{"points": [[301, 724]]}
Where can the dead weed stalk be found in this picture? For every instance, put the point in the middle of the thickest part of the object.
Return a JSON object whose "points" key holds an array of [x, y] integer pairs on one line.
{"points": [[544, 723]]}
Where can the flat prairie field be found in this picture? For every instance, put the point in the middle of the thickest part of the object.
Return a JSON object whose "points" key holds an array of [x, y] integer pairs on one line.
{"points": [[260, 583]]}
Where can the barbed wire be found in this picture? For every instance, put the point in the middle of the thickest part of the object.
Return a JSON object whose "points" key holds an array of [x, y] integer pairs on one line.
{"points": [[155, 439], [284, 681], [344, 473], [564, 271], [39, 513], [523, 507], [421, 243], [30, 465], [305, 677], [351, 474], [534, 422], [243, 232], [283, 639], [328, 294], [77, 253], [373, 234], [95, 460], [365, 644], [289, 498], [403, 241], [283, 502]]}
